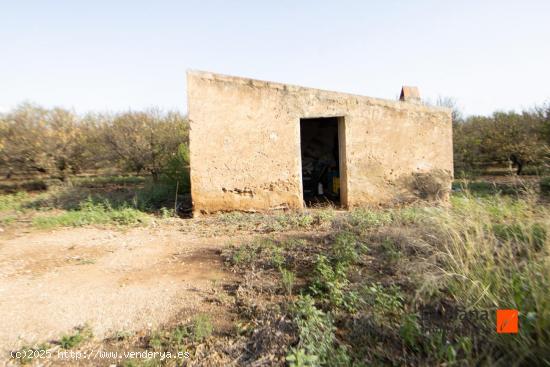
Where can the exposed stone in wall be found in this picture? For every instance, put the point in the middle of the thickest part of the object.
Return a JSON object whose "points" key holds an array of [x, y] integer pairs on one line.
{"points": [[245, 144]]}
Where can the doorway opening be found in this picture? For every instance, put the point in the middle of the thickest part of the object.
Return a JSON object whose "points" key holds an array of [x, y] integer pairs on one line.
{"points": [[320, 152]]}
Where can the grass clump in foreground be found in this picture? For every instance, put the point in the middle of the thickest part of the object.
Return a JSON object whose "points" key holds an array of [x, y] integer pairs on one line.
{"points": [[13, 201], [495, 254], [407, 286], [90, 212], [73, 340]]}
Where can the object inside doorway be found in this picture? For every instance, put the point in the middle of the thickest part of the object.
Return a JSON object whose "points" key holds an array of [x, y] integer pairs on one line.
{"points": [[320, 160]]}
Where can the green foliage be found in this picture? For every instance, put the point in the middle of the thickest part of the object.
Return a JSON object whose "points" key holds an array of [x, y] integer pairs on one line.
{"points": [[288, 278], [481, 253], [242, 256], [384, 301], [35, 140], [146, 141], [202, 327], [391, 250], [177, 168], [299, 358], [346, 248], [176, 338], [340, 357], [166, 213], [92, 213], [545, 185], [411, 332], [330, 275], [480, 141], [324, 215], [330, 280], [106, 181], [534, 233], [365, 218], [13, 201], [59, 143], [292, 220], [282, 221], [277, 258], [6, 220], [257, 249], [155, 196], [494, 252], [315, 331], [408, 215], [73, 340]]}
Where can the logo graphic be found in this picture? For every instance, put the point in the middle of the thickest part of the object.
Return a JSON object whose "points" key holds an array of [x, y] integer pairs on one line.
{"points": [[507, 321]]}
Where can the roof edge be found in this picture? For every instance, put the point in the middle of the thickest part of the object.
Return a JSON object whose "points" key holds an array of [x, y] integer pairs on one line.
{"points": [[278, 85]]}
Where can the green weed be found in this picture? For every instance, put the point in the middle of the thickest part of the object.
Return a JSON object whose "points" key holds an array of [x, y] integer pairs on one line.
{"points": [[202, 327], [330, 280], [92, 213], [315, 331], [288, 279], [366, 218], [69, 341], [384, 301], [6, 220], [13, 201], [347, 248], [297, 357]]}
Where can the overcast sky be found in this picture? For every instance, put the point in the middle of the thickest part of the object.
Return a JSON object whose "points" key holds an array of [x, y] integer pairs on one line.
{"points": [[113, 55]]}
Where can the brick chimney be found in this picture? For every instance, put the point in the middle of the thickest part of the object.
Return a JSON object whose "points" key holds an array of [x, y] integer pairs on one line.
{"points": [[410, 94]]}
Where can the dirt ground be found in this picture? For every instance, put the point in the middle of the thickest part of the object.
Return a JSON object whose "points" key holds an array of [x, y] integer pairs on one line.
{"points": [[111, 279]]}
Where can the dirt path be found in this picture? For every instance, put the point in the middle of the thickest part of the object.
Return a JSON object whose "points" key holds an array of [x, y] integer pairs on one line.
{"points": [[51, 282]]}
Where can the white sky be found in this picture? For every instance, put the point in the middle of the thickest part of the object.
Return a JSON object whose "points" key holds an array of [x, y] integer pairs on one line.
{"points": [[114, 55]]}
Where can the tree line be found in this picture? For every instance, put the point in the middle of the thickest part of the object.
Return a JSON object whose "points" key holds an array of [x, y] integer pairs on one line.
{"points": [[519, 141], [57, 142]]}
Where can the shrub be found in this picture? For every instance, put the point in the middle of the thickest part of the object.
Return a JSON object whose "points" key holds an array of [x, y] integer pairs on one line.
{"points": [[315, 330], [330, 280], [346, 248]]}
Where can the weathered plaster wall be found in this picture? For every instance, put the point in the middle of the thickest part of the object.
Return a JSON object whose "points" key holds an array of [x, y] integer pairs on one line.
{"points": [[245, 143]]}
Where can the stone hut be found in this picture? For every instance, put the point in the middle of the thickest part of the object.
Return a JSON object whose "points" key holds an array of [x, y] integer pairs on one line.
{"points": [[257, 145]]}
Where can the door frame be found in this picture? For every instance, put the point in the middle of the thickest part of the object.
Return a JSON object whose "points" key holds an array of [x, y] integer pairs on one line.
{"points": [[342, 164]]}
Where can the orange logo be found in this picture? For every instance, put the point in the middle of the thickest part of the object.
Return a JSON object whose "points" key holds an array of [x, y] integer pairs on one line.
{"points": [[507, 321]]}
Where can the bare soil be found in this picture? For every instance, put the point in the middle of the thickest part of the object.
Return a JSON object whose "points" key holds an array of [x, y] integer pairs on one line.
{"points": [[111, 279]]}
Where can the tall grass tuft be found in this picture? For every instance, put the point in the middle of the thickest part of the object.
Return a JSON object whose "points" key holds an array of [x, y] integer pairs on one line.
{"points": [[494, 253]]}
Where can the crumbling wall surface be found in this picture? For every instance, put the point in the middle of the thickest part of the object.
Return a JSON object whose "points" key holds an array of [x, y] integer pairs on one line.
{"points": [[245, 144], [392, 151]]}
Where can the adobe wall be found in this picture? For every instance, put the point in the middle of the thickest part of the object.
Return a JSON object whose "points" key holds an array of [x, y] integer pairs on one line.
{"points": [[245, 144]]}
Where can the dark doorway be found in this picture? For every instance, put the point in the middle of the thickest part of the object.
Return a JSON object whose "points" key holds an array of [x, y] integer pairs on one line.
{"points": [[320, 152]]}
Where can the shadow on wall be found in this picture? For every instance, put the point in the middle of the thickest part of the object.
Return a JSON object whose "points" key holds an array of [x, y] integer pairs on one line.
{"points": [[434, 185]]}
